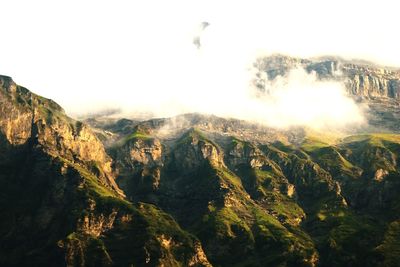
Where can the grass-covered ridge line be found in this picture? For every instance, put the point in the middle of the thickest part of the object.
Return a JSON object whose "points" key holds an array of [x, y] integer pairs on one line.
{"points": [[312, 143], [377, 139], [137, 135], [191, 135]]}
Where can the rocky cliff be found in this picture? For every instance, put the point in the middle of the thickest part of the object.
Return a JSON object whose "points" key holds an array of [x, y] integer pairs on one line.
{"points": [[59, 202], [374, 86], [362, 79], [286, 200], [26, 117]]}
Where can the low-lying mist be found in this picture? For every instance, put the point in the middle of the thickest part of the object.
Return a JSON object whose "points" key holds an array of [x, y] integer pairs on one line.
{"points": [[216, 84], [185, 57], [298, 99], [215, 75]]}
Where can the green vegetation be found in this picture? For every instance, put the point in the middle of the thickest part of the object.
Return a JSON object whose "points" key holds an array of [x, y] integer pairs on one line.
{"points": [[310, 144], [194, 134], [91, 181], [292, 247], [161, 223], [229, 176], [373, 139], [374, 151], [138, 135], [333, 161], [390, 247], [345, 238], [227, 223]]}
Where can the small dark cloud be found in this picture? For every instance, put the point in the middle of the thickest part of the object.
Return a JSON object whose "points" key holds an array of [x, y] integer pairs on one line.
{"points": [[196, 42], [204, 25], [197, 39]]}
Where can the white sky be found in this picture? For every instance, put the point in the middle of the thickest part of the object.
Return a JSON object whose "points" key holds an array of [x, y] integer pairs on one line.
{"points": [[139, 55]]}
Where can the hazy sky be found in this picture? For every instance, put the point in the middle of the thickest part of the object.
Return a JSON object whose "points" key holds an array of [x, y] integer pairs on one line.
{"points": [[139, 55]]}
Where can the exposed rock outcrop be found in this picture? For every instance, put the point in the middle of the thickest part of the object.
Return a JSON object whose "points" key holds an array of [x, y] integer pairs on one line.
{"points": [[361, 79], [25, 116], [60, 204]]}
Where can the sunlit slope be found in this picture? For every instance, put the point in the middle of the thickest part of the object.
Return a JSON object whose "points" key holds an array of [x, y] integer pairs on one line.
{"points": [[315, 199], [59, 202]]}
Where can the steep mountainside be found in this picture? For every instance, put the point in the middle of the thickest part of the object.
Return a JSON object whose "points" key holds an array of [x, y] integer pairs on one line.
{"points": [[268, 203], [59, 203]]}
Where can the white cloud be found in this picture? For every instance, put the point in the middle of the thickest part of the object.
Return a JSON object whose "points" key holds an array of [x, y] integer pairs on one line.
{"points": [[139, 55]]}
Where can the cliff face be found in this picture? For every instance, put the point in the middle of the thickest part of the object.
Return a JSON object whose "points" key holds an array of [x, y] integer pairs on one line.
{"points": [[372, 82], [376, 87], [196, 186], [361, 79], [27, 117], [59, 202]]}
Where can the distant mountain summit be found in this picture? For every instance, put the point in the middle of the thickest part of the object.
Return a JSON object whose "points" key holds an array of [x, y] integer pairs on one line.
{"points": [[376, 86], [363, 79]]}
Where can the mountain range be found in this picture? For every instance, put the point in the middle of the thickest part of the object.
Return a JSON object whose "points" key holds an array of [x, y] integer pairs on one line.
{"points": [[200, 190]]}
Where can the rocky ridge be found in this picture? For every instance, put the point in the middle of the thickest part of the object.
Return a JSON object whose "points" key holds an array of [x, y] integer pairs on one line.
{"points": [[315, 199], [59, 200]]}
